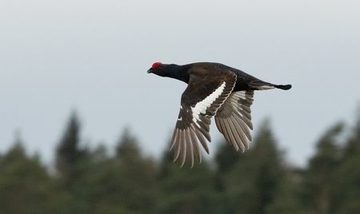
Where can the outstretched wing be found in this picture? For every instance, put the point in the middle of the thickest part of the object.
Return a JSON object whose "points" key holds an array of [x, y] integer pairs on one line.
{"points": [[199, 102], [233, 119]]}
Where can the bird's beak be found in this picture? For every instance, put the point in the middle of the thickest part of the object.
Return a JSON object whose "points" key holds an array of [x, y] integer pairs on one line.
{"points": [[149, 71]]}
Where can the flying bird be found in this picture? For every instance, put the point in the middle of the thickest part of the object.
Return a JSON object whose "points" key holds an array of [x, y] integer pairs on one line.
{"points": [[217, 90]]}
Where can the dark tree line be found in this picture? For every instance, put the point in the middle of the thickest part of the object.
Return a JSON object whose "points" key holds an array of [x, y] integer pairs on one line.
{"points": [[258, 181]]}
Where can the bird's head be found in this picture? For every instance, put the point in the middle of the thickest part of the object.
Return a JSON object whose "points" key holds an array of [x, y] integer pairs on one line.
{"points": [[157, 68], [170, 70]]}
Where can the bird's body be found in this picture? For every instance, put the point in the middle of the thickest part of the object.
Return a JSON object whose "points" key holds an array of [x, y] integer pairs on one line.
{"points": [[216, 90]]}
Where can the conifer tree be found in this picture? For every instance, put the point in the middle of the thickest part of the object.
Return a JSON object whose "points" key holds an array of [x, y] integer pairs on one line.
{"points": [[320, 173], [185, 189], [136, 175], [346, 188], [226, 158], [252, 184], [69, 154], [25, 186], [352, 146]]}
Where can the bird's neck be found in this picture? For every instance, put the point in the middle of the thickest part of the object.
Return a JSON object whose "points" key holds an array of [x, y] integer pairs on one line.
{"points": [[178, 72]]}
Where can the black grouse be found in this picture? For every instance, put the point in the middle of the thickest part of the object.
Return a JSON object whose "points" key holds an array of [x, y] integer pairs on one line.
{"points": [[216, 90]]}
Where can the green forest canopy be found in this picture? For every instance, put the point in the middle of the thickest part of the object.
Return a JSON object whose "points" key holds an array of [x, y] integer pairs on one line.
{"points": [[260, 180]]}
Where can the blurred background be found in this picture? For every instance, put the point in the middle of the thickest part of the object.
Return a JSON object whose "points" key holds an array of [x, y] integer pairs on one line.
{"points": [[84, 129]]}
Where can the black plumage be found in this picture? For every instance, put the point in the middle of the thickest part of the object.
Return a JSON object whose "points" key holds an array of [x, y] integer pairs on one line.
{"points": [[215, 90]]}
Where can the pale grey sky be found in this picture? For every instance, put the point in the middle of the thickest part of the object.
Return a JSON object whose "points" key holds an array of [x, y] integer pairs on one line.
{"points": [[92, 56]]}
